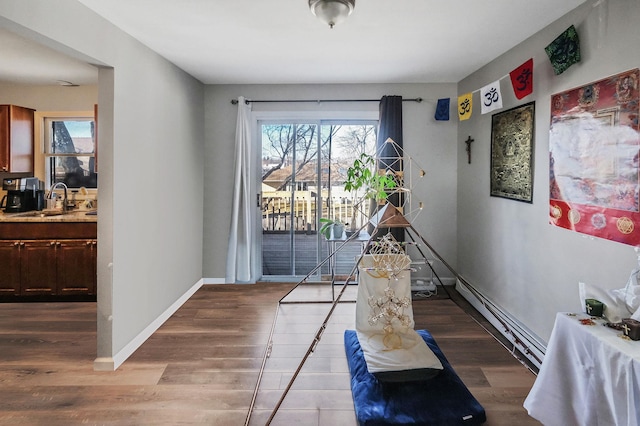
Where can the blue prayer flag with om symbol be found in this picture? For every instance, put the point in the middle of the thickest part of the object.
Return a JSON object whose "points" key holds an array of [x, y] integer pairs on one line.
{"points": [[465, 106], [442, 110], [490, 97]]}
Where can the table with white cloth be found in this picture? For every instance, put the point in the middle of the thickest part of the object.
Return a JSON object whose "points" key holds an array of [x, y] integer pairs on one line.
{"points": [[590, 376]]}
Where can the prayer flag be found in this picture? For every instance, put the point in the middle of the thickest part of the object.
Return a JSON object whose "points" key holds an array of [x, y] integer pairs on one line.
{"points": [[442, 109], [522, 79], [564, 51], [465, 106], [490, 97]]}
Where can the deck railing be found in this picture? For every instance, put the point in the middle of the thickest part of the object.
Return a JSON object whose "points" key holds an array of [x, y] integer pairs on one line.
{"points": [[282, 213]]}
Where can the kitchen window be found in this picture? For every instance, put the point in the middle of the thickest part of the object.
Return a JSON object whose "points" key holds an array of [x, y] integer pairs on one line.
{"points": [[69, 150]]}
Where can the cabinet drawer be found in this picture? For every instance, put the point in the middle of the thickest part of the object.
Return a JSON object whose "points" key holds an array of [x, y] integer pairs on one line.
{"points": [[47, 230]]}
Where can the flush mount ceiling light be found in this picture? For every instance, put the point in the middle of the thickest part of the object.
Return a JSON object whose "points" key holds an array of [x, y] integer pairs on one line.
{"points": [[332, 12], [66, 83]]}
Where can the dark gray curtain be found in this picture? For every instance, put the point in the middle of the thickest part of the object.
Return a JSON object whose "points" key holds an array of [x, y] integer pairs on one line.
{"points": [[390, 126], [390, 122]]}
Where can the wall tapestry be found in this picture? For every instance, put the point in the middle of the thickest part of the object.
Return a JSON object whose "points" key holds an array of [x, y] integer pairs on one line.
{"points": [[512, 153], [593, 169]]}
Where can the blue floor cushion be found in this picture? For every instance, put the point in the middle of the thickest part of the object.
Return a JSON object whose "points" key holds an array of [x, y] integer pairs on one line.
{"points": [[441, 400]]}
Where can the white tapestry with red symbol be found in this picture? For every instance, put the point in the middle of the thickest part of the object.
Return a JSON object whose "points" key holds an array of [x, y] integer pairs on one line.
{"points": [[593, 159]]}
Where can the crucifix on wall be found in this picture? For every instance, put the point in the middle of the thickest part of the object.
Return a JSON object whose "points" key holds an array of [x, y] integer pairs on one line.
{"points": [[468, 142]]}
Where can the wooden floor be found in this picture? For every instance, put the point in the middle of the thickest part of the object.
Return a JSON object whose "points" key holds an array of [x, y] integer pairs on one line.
{"points": [[202, 365]]}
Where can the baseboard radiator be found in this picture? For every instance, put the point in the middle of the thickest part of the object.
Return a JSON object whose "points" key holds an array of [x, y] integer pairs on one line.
{"points": [[524, 342]]}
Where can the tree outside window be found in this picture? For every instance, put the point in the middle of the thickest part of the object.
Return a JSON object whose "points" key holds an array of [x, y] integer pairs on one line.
{"points": [[70, 153]]}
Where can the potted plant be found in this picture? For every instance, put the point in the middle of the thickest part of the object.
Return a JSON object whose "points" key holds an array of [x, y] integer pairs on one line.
{"points": [[367, 183], [329, 225]]}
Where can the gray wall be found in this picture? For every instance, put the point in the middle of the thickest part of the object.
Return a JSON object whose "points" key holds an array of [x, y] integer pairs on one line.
{"points": [[433, 144], [506, 248], [151, 135]]}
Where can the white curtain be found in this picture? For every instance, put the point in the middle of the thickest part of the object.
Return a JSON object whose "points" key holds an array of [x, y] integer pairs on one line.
{"points": [[240, 236]]}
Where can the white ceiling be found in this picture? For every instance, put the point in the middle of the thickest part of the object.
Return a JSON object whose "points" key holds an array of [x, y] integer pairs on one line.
{"points": [[280, 41], [25, 62]]}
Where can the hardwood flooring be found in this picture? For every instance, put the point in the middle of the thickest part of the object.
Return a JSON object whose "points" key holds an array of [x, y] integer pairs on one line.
{"points": [[202, 365]]}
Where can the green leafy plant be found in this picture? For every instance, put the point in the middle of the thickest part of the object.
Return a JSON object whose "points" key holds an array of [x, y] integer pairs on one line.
{"points": [[328, 225], [367, 183], [362, 175]]}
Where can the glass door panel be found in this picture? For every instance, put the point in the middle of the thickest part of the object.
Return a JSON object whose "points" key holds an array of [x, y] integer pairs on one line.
{"points": [[345, 141], [289, 188], [303, 171]]}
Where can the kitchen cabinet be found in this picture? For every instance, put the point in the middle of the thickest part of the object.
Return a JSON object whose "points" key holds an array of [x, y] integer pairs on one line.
{"points": [[76, 267], [47, 260], [9, 267], [48, 267], [16, 139], [37, 267]]}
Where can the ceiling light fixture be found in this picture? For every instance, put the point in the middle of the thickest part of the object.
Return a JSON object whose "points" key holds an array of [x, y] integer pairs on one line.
{"points": [[332, 12], [67, 83]]}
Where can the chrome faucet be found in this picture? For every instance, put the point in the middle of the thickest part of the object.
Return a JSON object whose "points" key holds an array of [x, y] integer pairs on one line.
{"points": [[64, 188]]}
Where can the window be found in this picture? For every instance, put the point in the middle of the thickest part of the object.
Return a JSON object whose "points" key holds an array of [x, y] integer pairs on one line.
{"points": [[69, 151]]}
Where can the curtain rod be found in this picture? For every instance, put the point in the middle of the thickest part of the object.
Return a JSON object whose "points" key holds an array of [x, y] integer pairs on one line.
{"points": [[248, 101]]}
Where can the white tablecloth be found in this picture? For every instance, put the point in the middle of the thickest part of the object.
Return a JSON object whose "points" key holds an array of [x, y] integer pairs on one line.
{"points": [[589, 376]]}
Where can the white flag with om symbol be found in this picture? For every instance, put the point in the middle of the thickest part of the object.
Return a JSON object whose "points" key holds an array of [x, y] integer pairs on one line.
{"points": [[490, 97]]}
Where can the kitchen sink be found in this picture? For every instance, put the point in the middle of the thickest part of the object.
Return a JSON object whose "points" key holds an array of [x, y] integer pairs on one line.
{"points": [[52, 212], [41, 213]]}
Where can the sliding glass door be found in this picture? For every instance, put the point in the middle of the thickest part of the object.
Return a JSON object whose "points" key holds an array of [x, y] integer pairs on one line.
{"points": [[303, 170], [289, 196]]}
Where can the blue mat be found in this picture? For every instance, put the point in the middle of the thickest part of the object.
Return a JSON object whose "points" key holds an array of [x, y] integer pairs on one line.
{"points": [[442, 400]]}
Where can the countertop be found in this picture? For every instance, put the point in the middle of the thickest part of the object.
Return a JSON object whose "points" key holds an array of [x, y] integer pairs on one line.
{"points": [[50, 216]]}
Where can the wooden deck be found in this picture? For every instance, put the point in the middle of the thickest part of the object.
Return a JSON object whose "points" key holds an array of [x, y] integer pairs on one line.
{"points": [[277, 259]]}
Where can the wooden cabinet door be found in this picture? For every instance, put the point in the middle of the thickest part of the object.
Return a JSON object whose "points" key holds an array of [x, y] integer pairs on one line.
{"points": [[16, 139], [94, 266], [9, 268], [76, 267], [38, 267], [4, 138]]}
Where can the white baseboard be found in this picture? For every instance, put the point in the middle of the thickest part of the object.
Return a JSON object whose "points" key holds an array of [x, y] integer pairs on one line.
{"points": [[111, 364], [213, 281], [104, 364], [526, 342]]}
